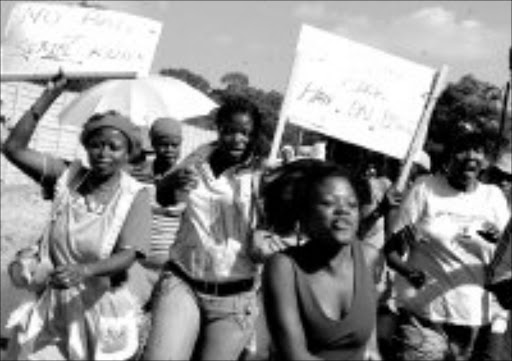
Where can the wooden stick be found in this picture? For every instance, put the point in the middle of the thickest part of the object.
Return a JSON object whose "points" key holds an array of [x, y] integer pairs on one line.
{"points": [[13, 77], [422, 129], [278, 134], [501, 131]]}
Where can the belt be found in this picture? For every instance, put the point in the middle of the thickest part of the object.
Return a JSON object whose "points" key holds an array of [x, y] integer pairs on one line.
{"points": [[227, 288]]}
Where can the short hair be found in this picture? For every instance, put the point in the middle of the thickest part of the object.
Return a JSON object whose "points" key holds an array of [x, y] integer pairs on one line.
{"points": [[287, 196]]}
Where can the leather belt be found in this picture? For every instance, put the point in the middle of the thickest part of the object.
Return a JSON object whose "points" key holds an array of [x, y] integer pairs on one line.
{"points": [[227, 288]]}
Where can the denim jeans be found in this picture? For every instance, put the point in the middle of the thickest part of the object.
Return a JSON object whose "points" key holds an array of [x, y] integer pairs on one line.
{"points": [[187, 324]]}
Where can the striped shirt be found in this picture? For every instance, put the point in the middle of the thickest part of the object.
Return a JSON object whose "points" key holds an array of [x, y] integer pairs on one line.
{"points": [[165, 220]]}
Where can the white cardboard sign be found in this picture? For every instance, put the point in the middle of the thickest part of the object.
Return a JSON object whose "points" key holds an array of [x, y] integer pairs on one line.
{"points": [[356, 93], [40, 38]]}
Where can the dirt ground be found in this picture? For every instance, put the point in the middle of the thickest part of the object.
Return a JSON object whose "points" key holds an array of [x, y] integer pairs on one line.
{"points": [[23, 216]]}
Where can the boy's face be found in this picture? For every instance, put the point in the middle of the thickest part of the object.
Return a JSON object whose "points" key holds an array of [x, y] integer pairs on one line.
{"points": [[167, 148]]}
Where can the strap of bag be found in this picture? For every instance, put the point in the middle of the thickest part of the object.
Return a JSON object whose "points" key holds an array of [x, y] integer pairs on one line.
{"points": [[129, 189]]}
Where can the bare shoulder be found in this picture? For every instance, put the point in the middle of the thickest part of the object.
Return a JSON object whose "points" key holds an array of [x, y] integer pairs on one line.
{"points": [[279, 266]]}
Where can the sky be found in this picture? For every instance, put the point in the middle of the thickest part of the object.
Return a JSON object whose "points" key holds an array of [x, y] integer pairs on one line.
{"points": [[258, 38]]}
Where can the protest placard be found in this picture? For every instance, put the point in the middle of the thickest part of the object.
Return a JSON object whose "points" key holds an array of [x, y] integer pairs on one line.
{"points": [[355, 93], [42, 38]]}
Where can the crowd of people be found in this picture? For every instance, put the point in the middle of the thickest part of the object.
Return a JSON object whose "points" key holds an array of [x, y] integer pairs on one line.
{"points": [[222, 255]]}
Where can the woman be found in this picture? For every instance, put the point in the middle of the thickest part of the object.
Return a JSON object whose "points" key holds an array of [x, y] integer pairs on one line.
{"points": [[319, 297], [99, 226], [205, 301], [442, 226]]}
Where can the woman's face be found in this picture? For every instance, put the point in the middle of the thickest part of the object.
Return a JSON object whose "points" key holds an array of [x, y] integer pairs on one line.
{"points": [[235, 136], [466, 165], [334, 213], [108, 151]]}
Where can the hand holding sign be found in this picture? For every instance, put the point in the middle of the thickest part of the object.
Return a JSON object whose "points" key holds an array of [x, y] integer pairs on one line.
{"points": [[41, 38]]}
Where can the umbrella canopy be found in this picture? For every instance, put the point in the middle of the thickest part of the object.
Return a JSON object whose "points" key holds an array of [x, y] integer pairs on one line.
{"points": [[141, 99]]}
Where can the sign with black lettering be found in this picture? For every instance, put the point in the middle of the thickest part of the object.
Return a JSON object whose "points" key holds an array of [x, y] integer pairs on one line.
{"points": [[356, 93], [43, 37]]}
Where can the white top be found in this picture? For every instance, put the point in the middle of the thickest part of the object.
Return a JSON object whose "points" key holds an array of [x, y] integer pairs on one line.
{"points": [[449, 250], [216, 226], [376, 235]]}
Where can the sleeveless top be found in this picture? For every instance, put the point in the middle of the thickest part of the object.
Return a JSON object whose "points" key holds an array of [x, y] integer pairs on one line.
{"points": [[345, 338]]}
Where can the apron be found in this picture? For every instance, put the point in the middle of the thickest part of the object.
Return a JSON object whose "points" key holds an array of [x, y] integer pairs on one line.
{"points": [[92, 321]]}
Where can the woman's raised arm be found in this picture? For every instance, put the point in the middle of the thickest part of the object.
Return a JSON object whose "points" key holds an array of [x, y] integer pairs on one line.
{"points": [[39, 166]]}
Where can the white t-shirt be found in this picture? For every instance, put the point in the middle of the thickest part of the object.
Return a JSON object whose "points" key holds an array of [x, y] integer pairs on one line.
{"points": [[448, 248]]}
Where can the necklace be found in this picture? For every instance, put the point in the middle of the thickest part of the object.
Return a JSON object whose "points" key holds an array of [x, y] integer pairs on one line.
{"points": [[98, 195]]}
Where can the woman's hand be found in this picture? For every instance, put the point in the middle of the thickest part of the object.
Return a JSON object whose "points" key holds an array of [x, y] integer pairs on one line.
{"points": [[392, 199], [186, 179], [69, 276], [490, 232], [265, 244], [174, 187], [58, 82]]}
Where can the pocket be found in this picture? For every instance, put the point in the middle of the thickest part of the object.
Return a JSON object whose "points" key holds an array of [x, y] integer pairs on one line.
{"points": [[241, 309], [247, 314]]}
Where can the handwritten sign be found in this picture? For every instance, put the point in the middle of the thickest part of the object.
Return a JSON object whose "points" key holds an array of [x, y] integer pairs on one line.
{"points": [[41, 38], [356, 93]]}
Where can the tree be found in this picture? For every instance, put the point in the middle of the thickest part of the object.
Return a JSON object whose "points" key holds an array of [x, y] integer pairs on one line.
{"points": [[194, 80]]}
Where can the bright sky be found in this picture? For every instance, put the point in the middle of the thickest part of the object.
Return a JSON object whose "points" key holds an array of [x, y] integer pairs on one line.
{"points": [[259, 37]]}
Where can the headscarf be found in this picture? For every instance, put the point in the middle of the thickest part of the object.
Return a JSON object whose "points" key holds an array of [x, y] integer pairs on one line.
{"points": [[112, 119]]}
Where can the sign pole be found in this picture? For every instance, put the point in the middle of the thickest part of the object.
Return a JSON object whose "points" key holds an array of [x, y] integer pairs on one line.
{"points": [[506, 100], [12, 77], [278, 134], [422, 129]]}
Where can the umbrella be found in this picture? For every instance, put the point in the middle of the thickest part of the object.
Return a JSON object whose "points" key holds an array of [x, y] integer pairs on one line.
{"points": [[142, 99]]}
